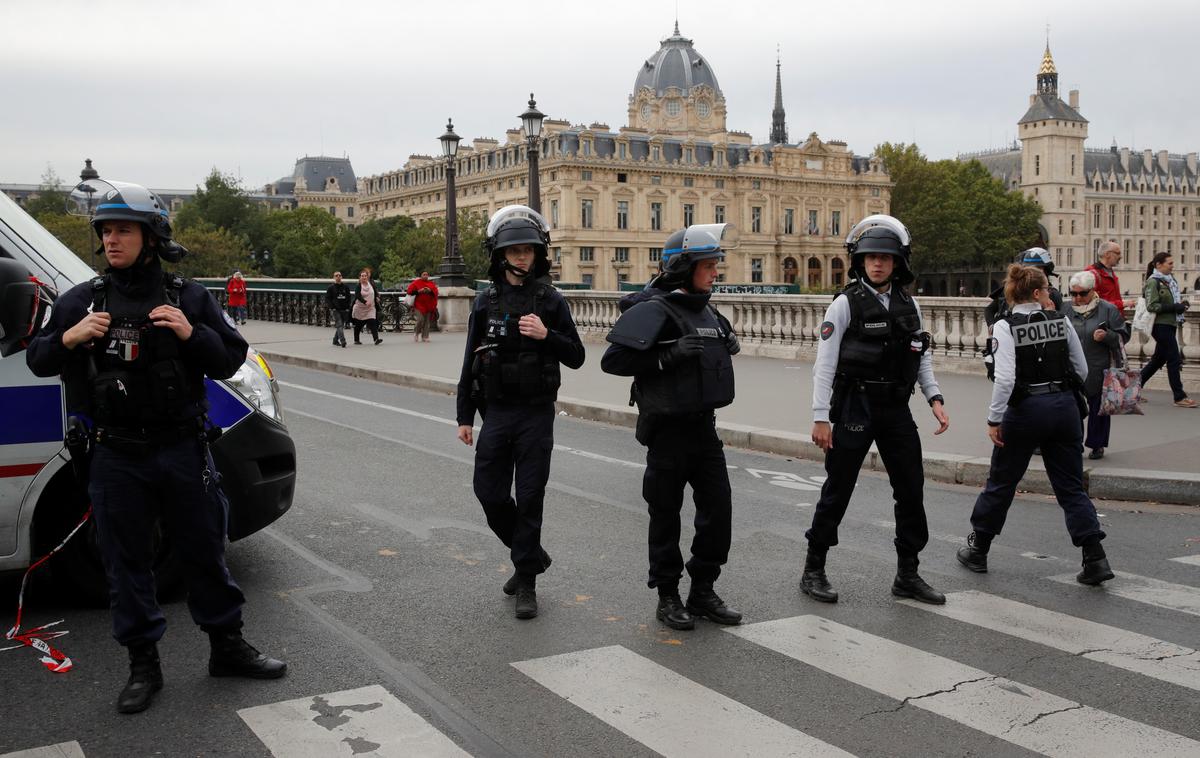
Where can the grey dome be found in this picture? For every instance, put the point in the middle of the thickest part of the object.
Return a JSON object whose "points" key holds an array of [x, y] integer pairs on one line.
{"points": [[676, 64]]}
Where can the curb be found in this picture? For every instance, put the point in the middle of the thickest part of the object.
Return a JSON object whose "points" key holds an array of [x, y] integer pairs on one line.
{"points": [[1110, 484]]}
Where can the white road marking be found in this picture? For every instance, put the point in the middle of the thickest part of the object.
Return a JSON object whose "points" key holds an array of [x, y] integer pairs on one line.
{"points": [[1011, 711], [371, 403], [1123, 649], [351, 722], [61, 750], [1192, 559], [664, 711], [1145, 589]]}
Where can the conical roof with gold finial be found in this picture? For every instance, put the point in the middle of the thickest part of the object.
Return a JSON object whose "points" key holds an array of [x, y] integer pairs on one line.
{"points": [[1047, 62]]}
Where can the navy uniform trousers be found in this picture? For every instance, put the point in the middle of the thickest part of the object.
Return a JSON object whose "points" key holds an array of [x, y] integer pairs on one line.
{"points": [[520, 439], [1051, 422], [682, 451], [130, 492], [895, 434]]}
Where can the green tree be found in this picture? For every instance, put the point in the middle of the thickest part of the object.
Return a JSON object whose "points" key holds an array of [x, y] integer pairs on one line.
{"points": [[224, 204], [76, 233], [413, 250], [51, 198], [212, 252], [301, 242]]}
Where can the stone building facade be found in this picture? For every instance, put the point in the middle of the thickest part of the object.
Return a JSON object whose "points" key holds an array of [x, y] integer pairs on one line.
{"points": [[613, 196], [1145, 200], [324, 182]]}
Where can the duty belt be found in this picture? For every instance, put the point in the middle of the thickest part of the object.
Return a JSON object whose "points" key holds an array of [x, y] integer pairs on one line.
{"points": [[878, 389], [1047, 388], [144, 439]]}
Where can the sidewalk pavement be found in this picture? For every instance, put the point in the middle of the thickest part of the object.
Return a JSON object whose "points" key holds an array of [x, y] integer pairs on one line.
{"points": [[1152, 457]]}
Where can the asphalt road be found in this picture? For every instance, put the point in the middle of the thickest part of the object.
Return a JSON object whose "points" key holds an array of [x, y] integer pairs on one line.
{"points": [[385, 575]]}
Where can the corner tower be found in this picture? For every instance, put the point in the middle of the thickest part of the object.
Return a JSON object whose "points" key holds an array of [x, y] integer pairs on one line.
{"points": [[1052, 135]]}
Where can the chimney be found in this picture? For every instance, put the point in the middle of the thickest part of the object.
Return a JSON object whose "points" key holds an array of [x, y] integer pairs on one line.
{"points": [[1125, 159], [1073, 99], [1191, 163], [1148, 161], [1031, 99], [1162, 162]]}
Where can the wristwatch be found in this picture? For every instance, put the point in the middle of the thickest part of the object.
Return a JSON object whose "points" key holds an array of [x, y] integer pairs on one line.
{"points": [[936, 399]]}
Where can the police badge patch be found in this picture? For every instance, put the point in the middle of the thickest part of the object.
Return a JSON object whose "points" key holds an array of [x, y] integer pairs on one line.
{"points": [[230, 321], [124, 342], [827, 330]]}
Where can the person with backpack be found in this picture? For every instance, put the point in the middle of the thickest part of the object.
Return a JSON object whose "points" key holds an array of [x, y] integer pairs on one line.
{"points": [[678, 348], [1165, 301]]}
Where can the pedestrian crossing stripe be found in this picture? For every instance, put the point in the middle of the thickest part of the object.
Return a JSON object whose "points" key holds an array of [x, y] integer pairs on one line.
{"points": [[61, 750], [352, 722], [1126, 650], [1192, 559], [1011, 711], [1145, 589], [664, 711]]}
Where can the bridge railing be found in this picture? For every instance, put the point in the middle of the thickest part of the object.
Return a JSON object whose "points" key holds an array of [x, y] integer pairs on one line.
{"points": [[291, 306]]}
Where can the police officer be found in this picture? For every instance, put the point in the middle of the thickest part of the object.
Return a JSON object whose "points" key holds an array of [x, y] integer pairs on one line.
{"points": [[133, 347], [1036, 401], [997, 307], [871, 354], [677, 348], [519, 331]]}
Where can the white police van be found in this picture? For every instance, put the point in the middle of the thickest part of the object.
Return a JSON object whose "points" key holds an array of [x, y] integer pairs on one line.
{"points": [[40, 501]]}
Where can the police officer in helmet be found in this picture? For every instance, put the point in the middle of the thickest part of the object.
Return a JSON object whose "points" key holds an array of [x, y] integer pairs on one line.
{"points": [[1039, 258], [520, 331], [1036, 402], [133, 347], [678, 347], [872, 353]]}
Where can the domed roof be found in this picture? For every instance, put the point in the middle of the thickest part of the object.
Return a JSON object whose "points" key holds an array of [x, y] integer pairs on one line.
{"points": [[676, 64]]}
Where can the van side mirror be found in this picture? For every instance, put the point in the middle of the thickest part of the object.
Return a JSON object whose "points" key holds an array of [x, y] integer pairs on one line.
{"points": [[21, 308]]}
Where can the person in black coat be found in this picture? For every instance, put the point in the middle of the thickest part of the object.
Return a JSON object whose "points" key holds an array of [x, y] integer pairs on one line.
{"points": [[338, 299]]}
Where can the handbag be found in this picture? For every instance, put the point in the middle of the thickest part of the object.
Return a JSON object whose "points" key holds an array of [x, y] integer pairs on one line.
{"points": [[409, 299], [1143, 319], [1121, 392]]}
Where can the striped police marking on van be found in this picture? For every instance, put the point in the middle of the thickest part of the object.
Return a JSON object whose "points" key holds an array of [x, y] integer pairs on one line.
{"points": [[32, 413], [225, 406]]}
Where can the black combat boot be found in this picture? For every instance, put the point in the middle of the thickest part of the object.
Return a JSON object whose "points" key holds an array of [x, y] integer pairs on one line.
{"points": [[974, 555], [908, 582], [813, 581], [1095, 565], [526, 596], [510, 587], [703, 601], [233, 656], [671, 610], [145, 679]]}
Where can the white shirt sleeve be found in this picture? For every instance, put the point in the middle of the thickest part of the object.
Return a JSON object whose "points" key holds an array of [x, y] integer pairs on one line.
{"points": [[1006, 370], [925, 377], [828, 349], [1078, 359]]}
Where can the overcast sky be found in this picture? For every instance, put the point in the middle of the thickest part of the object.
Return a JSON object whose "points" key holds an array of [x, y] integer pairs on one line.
{"points": [[161, 92]]}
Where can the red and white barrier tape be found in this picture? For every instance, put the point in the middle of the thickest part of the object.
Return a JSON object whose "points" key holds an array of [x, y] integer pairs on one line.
{"points": [[39, 638]]}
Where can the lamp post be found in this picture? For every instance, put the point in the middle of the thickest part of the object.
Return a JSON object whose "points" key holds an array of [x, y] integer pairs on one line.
{"points": [[531, 125], [89, 173], [452, 271]]}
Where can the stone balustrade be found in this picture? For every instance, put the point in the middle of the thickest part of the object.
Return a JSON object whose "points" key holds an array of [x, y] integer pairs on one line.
{"points": [[291, 306]]}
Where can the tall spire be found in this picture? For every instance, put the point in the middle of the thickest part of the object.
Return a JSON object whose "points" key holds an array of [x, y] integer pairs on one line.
{"points": [[1047, 78], [778, 124]]}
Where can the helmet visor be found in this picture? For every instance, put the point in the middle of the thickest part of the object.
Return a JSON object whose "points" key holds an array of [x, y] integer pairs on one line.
{"points": [[98, 196], [707, 238], [879, 219], [516, 211]]}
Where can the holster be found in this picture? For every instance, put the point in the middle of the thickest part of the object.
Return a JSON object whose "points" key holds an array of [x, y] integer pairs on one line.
{"points": [[78, 442]]}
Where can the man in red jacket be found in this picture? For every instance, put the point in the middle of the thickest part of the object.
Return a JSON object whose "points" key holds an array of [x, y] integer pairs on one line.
{"points": [[1108, 287], [425, 293], [236, 289]]}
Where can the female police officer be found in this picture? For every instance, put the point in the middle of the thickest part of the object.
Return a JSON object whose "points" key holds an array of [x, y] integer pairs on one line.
{"points": [[519, 331], [678, 349], [133, 347], [871, 354], [1040, 366]]}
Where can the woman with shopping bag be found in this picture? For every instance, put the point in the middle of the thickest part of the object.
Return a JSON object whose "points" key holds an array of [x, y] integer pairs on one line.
{"points": [[1102, 331], [1164, 300]]}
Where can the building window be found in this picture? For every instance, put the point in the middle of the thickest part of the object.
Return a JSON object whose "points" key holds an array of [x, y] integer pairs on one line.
{"points": [[656, 180], [874, 192], [687, 155], [621, 151], [1072, 167], [622, 255], [689, 181], [655, 153], [558, 255], [1112, 216], [719, 214], [553, 214], [622, 214], [622, 178], [587, 280], [720, 184], [1128, 211], [1096, 247], [1141, 251], [655, 254], [755, 219], [835, 224], [756, 269], [813, 226], [585, 175], [673, 107], [587, 254], [332, 210], [1037, 165], [689, 214], [1096, 216], [789, 220], [755, 184], [656, 217], [585, 215], [350, 212], [622, 277], [1072, 226], [1060, 226]]}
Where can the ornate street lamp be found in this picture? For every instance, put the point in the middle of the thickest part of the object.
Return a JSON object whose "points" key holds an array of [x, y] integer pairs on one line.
{"points": [[89, 173], [531, 125], [452, 272]]}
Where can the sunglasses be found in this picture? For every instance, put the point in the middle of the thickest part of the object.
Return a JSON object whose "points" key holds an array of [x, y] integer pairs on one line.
{"points": [[1080, 293]]}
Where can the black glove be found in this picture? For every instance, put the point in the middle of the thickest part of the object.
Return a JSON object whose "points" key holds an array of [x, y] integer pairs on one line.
{"points": [[731, 343], [686, 347]]}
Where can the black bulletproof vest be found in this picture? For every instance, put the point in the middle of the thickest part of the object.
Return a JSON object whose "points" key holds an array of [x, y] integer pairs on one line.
{"points": [[514, 368], [878, 345], [137, 378], [1041, 348], [695, 385]]}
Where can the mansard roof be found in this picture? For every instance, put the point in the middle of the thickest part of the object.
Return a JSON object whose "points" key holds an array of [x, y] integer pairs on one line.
{"points": [[316, 170]]}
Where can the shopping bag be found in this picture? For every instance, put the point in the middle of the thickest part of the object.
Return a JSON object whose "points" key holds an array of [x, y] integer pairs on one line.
{"points": [[1143, 319], [1121, 392], [410, 299]]}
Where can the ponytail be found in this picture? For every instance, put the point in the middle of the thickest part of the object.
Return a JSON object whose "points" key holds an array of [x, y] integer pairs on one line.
{"points": [[1157, 259], [1021, 283]]}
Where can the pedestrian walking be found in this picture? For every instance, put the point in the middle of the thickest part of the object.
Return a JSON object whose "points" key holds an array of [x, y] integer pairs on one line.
{"points": [[338, 299], [519, 332], [1040, 368], [1165, 301], [678, 348], [133, 347], [425, 299], [1108, 285], [1101, 330], [364, 310], [873, 352], [236, 291]]}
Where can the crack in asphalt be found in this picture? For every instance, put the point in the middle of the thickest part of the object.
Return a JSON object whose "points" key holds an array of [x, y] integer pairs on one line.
{"points": [[1041, 716], [911, 698]]}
